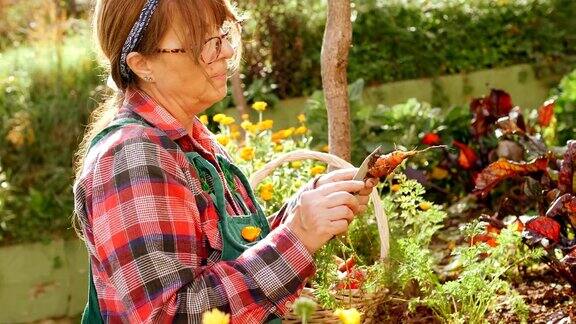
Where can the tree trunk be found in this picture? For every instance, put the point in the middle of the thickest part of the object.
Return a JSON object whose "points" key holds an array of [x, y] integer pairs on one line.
{"points": [[72, 8], [334, 62], [238, 94]]}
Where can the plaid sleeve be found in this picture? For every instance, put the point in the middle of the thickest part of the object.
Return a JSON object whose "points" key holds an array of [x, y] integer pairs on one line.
{"points": [[149, 257]]}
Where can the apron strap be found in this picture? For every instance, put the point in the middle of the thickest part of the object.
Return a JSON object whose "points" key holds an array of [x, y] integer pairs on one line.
{"points": [[234, 170], [91, 314]]}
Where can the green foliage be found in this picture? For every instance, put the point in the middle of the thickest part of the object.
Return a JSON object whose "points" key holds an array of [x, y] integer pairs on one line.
{"points": [[565, 110], [480, 285], [26, 22], [282, 44], [43, 109], [482, 280], [411, 261], [304, 308], [398, 40], [400, 125]]}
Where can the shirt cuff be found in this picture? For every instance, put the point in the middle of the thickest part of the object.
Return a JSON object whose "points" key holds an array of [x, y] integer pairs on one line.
{"points": [[280, 265]]}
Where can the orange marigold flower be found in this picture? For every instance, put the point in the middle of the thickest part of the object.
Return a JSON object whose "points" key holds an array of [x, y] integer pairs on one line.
{"points": [[247, 153], [317, 169]]}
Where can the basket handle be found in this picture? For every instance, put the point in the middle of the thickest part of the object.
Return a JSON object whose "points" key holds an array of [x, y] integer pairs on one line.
{"points": [[338, 163]]}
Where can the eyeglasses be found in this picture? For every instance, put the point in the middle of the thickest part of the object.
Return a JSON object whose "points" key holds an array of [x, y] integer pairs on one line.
{"points": [[211, 48]]}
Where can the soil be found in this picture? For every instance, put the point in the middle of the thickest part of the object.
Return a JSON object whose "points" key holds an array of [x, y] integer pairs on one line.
{"points": [[549, 299]]}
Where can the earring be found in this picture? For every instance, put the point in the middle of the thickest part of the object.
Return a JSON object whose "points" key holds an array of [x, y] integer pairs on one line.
{"points": [[148, 79]]}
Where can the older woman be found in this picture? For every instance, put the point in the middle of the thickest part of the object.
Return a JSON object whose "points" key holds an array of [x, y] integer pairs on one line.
{"points": [[159, 203]]}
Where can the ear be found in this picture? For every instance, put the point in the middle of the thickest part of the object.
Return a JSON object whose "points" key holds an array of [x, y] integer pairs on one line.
{"points": [[139, 64]]}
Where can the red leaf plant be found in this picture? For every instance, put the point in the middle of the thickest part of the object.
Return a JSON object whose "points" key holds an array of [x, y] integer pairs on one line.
{"points": [[555, 228]]}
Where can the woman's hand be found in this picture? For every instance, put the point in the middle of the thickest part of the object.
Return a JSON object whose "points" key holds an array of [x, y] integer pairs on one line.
{"points": [[326, 211], [348, 174]]}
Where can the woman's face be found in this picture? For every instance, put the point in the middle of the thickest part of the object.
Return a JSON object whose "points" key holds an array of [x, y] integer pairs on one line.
{"points": [[178, 77]]}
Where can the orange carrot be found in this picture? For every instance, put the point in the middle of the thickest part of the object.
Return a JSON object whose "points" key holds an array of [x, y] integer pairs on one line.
{"points": [[386, 164]]}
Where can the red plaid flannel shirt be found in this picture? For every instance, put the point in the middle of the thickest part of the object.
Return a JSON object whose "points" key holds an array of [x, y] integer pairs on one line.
{"points": [[152, 235]]}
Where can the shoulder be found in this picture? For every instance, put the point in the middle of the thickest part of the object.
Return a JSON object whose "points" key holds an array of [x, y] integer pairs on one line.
{"points": [[138, 149]]}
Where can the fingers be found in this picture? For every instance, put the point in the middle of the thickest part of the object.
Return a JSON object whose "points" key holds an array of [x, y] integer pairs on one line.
{"points": [[340, 212], [347, 185], [343, 198], [363, 200], [338, 227], [372, 182], [343, 174]]}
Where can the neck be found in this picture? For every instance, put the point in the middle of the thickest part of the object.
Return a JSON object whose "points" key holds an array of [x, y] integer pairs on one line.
{"points": [[183, 108]]}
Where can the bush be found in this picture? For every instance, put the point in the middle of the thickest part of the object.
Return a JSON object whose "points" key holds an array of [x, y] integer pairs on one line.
{"points": [[565, 109], [46, 96], [398, 40]]}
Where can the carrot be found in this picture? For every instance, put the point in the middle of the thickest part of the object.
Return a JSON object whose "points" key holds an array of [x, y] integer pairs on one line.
{"points": [[386, 164]]}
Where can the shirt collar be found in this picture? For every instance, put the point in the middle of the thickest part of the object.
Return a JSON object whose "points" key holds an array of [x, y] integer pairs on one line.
{"points": [[140, 103]]}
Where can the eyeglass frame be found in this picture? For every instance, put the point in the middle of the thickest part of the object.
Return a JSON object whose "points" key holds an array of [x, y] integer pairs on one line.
{"points": [[182, 50]]}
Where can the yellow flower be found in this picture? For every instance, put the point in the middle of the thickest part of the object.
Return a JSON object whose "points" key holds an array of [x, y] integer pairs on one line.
{"points": [[348, 316], [317, 169], [425, 205], [218, 117], [267, 186], [326, 148], [288, 132], [439, 173], [245, 116], [301, 130], [265, 124], [302, 118], [203, 119], [223, 139], [235, 135], [227, 121], [215, 317], [296, 164], [278, 136], [278, 148], [266, 191], [249, 127], [253, 129], [246, 124], [265, 195], [247, 153], [259, 105]]}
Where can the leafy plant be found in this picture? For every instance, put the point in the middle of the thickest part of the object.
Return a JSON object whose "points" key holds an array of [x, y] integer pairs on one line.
{"points": [[552, 197], [410, 276], [562, 123], [36, 170]]}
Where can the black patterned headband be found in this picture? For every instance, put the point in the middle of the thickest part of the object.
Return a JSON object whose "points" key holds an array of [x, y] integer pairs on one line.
{"points": [[135, 36]]}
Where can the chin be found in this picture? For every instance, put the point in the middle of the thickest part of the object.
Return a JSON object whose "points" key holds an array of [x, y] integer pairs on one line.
{"points": [[222, 92]]}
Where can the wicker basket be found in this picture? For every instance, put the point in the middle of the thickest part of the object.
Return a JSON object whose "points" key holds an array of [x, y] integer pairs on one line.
{"points": [[356, 298]]}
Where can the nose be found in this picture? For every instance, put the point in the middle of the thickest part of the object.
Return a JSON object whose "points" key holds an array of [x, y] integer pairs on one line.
{"points": [[227, 49]]}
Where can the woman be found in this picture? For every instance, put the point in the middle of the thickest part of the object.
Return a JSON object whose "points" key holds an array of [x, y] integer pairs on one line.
{"points": [[159, 203]]}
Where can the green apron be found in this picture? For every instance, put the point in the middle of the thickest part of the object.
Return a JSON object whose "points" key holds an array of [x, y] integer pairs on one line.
{"points": [[230, 227]]}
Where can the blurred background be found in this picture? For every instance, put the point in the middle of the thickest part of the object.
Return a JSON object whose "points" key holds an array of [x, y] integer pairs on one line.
{"points": [[440, 53]]}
